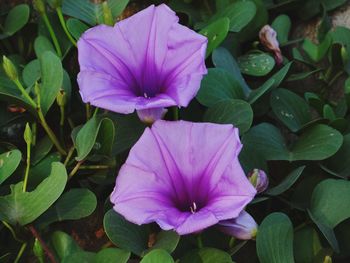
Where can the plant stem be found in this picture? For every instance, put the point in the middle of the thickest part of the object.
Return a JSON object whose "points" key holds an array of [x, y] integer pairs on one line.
{"points": [[75, 169], [176, 113], [331, 82], [49, 132], [95, 112], [25, 182], [69, 155], [199, 241], [94, 167], [53, 35], [20, 253], [24, 92], [88, 111], [34, 131], [64, 26], [12, 231], [43, 244]]}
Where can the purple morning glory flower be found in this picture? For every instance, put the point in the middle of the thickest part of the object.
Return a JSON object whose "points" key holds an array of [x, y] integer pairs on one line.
{"points": [[184, 176], [243, 227], [146, 62]]}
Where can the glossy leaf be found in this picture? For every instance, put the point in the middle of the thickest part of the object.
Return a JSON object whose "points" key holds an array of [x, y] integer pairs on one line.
{"points": [[256, 64], [16, 19], [76, 27], [282, 25], [114, 255], [64, 244], [207, 255]]}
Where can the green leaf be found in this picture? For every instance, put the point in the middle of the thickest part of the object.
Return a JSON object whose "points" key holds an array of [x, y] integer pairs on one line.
{"points": [[216, 32], [42, 148], [9, 162], [129, 129], [317, 143], [76, 27], [282, 25], [218, 85], [64, 244], [81, 256], [286, 183], [290, 109], [271, 83], [42, 44], [236, 112], [274, 240], [306, 245], [124, 234], [51, 79], [256, 64], [317, 52], [31, 73], [72, 205], [98, 132], [24, 207], [157, 256], [166, 240], [16, 19], [207, 255], [240, 14], [115, 255], [117, 6], [339, 163], [330, 202], [223, 59]]}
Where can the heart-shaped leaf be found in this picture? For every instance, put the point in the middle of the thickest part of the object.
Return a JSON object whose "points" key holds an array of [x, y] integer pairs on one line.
{"points": [[218, 85], [24, 207], [236, 112], [290, 109]]}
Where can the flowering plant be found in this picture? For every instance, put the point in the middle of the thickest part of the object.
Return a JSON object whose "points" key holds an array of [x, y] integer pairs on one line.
{"points": [[174, 131]]}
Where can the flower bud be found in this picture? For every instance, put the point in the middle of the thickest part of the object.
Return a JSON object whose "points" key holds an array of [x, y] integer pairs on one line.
{"points": [[61, 98], [9, 68], [27, 134], [39, 5], [327, 259], [243, 227], [259, 180], [268, 38], [148, 116], [107, 14]]}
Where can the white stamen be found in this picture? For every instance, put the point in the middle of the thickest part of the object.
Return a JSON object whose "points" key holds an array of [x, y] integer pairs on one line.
{"points": [[145, 95], [193, 208]]}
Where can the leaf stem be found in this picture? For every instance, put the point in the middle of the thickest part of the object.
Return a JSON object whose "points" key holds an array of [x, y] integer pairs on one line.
{"points": [[12, 231], [43, 244], [75, 169], [88, 111], [95, 167], [199, 241], [64, 26], [24, 92], [49, 132], [20, 253], [26, 174], [69, 155], [52, 34], [176, 113]]}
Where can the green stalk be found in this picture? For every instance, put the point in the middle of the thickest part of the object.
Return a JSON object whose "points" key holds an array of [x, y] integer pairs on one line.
{"points": [[24, 92], [64, 26], [52, 34], [49, 132], [176, 113], [25, 182], [20, 253]]}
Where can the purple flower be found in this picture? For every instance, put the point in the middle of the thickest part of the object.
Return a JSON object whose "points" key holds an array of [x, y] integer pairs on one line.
{"points": [[268, 38], [243, 227], [184, 176], [259, 180], [146, 62]]}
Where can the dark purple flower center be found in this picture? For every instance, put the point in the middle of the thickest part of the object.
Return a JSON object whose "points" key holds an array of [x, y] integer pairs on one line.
{"points": [[190, 202]]}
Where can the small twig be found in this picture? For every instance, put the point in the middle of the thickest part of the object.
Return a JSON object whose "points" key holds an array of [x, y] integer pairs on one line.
{"points": [[75, 169], [43, 244], [20, 253]]}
